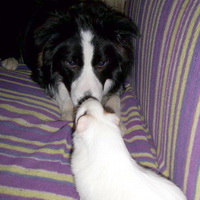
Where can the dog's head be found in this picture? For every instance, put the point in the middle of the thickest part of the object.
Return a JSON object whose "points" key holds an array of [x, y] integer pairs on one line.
{"points": [[89, 46]]}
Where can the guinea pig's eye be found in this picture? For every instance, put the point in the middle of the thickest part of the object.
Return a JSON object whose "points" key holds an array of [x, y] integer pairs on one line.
{"points": [[70, 63], [102, 64], [85, 113]]}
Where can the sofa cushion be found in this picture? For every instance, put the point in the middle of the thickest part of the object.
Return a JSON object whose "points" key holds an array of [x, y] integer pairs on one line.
{"points": [[35, 145]]}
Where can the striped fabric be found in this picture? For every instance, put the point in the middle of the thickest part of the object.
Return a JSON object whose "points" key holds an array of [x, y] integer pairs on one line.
{"points": [[167, 84], [35, 144]]}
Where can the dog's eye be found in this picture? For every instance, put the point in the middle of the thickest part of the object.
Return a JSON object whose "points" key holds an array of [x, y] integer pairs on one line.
{"points": [[70, 63], [102, 64]]}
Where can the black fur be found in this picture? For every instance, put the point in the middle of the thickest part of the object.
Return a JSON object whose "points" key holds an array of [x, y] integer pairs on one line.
{"points": [[52, 43]]}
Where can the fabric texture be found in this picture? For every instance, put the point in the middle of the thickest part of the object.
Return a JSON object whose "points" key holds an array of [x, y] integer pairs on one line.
{"points": [[160, 109], [35, 145], [167, 84]]}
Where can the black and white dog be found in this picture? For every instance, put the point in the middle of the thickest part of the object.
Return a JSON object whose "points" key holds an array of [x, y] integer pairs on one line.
{"points": [[79, 50]]}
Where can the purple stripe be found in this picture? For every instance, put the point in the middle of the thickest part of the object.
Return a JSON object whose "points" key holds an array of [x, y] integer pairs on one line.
{"points": [[33, 178], [18, 83], [125, 114], [37, 183], [48, 113], [12, 128], [13, 197], [30, 118], [23, 94], [194, 166], [36, 155], [30, 163], [9, 75], [141, 146], [131, 124], [33, 146]]}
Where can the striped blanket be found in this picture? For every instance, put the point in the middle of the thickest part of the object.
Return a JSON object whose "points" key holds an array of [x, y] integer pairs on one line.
{"points": [[161, 113], [167, 84], [35, 145]]}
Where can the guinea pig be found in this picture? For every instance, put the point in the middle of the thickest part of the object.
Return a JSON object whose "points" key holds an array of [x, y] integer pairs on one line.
{"points": [[102, 166]]}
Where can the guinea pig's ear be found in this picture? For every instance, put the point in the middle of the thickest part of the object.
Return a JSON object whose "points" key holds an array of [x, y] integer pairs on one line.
{"points": [[114, 118], [83, 123]]}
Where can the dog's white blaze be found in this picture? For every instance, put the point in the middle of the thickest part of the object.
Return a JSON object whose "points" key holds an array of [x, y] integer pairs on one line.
{"points": [[87, 83], [88, 49]]}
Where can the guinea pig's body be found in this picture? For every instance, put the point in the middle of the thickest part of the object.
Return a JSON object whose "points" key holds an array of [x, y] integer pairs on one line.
{"points": [[103, 167]]}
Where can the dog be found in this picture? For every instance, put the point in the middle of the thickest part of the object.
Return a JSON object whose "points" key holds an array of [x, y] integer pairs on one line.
{"points": [[78, 49], [102, 165]]}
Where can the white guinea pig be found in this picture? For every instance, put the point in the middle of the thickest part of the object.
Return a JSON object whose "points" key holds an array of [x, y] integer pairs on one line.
{"points": [[102, 165]]}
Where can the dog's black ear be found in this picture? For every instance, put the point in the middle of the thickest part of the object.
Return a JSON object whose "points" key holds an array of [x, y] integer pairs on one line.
{"points": [[114, 24], [120, 28], [125, 30], [122, 31]]}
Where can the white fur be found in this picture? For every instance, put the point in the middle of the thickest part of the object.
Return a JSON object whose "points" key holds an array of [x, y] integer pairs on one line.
{"points": [[87, 83], [65, 103], [10, 64], [103, 167], [107, 86]]}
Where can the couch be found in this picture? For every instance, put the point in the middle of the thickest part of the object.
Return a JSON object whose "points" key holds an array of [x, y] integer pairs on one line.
{"points": [[160, 109], [167, 84]]}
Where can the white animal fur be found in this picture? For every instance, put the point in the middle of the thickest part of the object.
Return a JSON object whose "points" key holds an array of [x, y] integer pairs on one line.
{"points": [[65, 103], [10, 64], [103, 167]]}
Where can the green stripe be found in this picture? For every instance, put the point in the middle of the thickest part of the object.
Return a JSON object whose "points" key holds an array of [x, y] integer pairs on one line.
{"points": [[29, 98], [18, 192]]}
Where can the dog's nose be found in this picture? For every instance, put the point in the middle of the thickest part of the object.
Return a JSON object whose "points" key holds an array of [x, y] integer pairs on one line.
{"points": [[86, 98], [87, 93]]}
